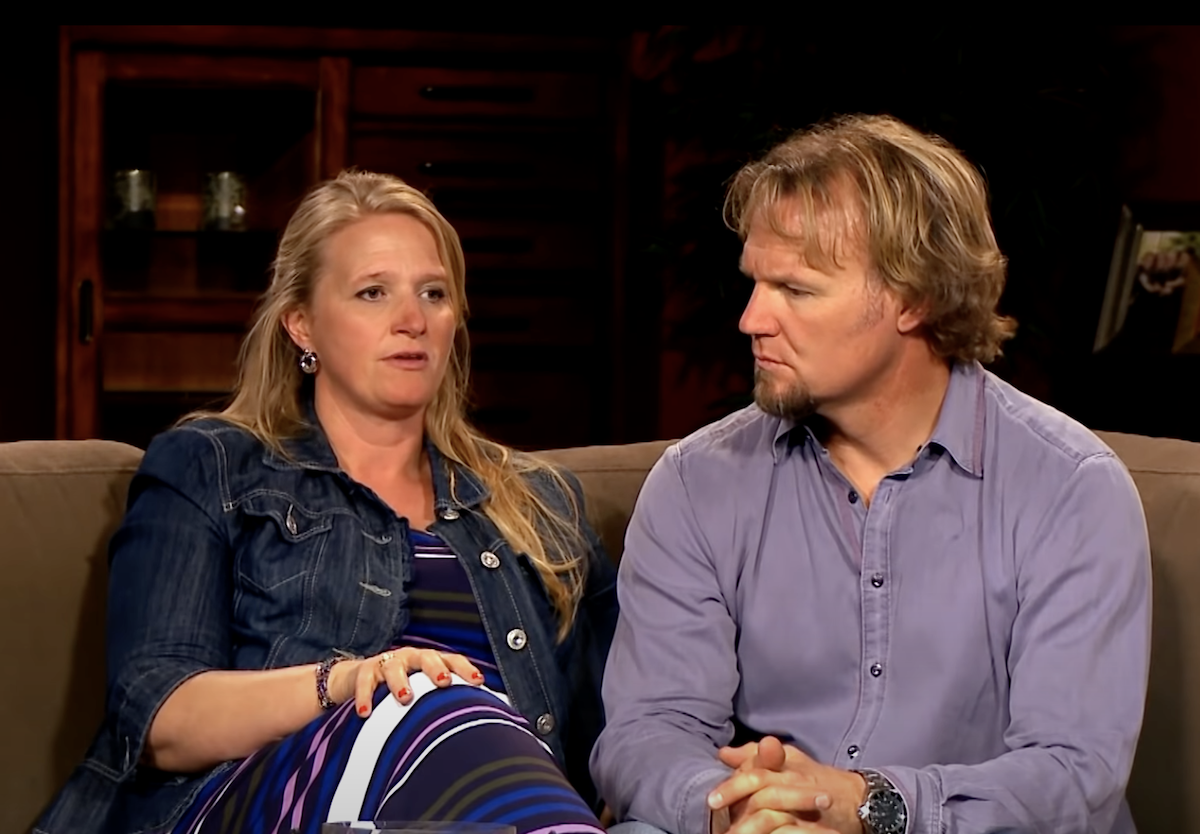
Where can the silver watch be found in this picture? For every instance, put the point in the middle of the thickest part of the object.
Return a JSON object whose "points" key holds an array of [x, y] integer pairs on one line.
{"points": [[883, 811]]}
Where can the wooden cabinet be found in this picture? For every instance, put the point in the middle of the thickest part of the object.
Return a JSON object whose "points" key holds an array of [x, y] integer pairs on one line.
{"points": [[518, 140]]}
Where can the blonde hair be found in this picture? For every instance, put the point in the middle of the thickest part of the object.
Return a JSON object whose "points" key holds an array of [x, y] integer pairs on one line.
{"points": [[267, 398], [917, 204]]}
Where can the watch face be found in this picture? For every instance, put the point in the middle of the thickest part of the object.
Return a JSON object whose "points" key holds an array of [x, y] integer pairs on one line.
{"points": [[887, 814]]}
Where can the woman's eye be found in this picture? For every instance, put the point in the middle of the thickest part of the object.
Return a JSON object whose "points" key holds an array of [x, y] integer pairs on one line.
{"points": [[371, 293], [435, 294]]}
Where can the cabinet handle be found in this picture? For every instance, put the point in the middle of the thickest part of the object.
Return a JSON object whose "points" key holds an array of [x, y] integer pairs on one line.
{"points": [[86, 311], [478, 92]]}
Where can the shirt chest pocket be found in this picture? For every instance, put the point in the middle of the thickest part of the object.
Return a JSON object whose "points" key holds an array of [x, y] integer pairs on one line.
{"points": [[283, 543]]}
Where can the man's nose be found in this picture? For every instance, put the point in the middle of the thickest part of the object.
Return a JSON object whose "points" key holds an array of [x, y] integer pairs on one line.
{"points": [[754, 321]]}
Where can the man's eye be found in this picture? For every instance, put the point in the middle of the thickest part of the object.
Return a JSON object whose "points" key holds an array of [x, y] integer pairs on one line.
{"points": [[795, 292]]}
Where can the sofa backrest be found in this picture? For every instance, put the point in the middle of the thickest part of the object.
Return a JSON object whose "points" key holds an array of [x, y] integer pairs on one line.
{"points": [[59, 503], [61, 500]]}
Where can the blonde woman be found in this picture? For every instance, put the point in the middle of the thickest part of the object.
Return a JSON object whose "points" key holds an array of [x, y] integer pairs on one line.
{"points": [[334, 599]]}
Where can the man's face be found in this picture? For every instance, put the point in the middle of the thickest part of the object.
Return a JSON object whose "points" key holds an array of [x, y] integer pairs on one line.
{"points": [[822, 338]]}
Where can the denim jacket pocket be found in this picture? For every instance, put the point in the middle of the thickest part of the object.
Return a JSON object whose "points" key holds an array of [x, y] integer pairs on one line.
{"points": [[282, 543], [285, 539]]}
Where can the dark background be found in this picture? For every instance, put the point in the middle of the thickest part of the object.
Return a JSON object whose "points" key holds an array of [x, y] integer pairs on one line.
{"points": [[1066, 124]]}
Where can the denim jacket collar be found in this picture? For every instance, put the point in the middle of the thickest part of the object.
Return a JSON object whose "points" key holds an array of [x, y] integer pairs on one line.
{"points": [[311, 450]]}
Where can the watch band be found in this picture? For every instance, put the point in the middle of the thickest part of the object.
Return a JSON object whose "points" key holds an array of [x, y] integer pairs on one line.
{"points": [[884, 810]]}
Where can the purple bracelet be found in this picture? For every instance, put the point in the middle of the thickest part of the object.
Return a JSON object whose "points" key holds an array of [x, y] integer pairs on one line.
{"points": [[323, 680]]}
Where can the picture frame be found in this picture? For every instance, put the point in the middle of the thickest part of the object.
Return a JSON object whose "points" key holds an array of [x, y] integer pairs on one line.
{"points": [[1152, 297]]}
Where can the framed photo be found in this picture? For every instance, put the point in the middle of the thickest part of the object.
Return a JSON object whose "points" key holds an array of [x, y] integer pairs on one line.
{"points": [[1152, 298]]}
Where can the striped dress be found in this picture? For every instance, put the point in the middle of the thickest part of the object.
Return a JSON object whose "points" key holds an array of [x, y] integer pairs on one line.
{"points": [[459, 753]]}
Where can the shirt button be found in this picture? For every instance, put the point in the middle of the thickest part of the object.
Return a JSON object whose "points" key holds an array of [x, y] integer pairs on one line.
{"points": [[876, 670], [852, 497], [852, 751], [517, 639], [545, 724], [449, 515], [877, 580], [490, 560]]}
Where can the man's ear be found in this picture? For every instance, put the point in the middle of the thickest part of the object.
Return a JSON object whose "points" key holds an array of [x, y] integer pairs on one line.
{"points": [[911, 318], [295, 322]]}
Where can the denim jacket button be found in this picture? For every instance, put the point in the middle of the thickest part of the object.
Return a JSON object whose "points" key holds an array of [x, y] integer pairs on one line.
{"points": [[517, 639], [449, 515], [490, 560], [545, 724]]}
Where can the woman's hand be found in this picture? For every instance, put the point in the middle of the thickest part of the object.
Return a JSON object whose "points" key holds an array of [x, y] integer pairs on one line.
{"points": [[358, 679]]}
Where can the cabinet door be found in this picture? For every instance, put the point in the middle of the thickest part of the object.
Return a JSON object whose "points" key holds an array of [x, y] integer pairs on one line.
{"points": [[151, 316]]}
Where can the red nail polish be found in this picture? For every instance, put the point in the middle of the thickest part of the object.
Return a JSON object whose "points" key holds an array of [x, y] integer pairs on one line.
{"points": [[402, 692], [443, 676], [477, 676], [362, 709]]}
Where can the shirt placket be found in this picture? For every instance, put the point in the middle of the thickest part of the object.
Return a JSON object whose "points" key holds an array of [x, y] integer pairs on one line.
{"points": [[870, 528]]}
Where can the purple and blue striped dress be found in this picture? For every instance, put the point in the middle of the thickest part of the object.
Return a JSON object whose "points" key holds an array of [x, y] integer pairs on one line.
{"points": [[459, 753]]}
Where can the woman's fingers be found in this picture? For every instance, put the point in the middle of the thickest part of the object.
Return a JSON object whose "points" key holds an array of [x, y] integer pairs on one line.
{"points": [[393, 667], [396, 665], [432, 664], [465, 669], [441, 666]]}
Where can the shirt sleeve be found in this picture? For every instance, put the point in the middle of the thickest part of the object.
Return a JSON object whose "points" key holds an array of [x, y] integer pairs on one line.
{"points": [[672, 672], [1078, 665], [169, 596]]}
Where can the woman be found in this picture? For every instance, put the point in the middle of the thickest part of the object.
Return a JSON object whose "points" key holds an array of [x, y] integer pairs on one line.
{"points": [[300, 579]]}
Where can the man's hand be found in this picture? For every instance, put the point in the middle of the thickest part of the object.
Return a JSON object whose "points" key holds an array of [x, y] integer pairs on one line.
{"points": [[778, 786]]}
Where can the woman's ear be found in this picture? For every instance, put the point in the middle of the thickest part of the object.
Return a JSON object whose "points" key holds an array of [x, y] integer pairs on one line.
{"points": [[295, 322]]}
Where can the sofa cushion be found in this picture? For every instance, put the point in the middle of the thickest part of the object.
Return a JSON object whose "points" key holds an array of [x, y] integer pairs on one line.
{"points": [[59, 503], [611, 477], [1164, 791]]}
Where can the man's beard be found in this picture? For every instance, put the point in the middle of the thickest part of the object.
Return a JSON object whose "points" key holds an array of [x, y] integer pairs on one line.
{"points": [[795, 403]]}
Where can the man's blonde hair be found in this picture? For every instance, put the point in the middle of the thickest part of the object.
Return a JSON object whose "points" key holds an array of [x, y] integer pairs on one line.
{"points": [[267, 399], [919, 207]]}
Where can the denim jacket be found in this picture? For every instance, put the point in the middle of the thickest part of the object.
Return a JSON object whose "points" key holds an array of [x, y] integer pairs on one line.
{"points": [[233, 557]]}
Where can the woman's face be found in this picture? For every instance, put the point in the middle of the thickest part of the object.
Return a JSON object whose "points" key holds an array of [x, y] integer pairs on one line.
{"points": [[380, 319]]}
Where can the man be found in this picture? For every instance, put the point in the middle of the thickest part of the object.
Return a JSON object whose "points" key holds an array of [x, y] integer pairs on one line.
{"points": [[918, 598]]}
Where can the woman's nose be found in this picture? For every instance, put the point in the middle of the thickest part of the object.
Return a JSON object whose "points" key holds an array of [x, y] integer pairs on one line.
{"points": [[407, 315]]}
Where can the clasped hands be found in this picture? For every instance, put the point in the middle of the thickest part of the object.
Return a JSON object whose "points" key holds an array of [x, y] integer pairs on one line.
{"points": [[359, 678], [779, 788]]}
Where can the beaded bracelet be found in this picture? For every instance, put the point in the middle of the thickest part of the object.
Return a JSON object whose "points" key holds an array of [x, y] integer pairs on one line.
{"points": [[323, 680]]}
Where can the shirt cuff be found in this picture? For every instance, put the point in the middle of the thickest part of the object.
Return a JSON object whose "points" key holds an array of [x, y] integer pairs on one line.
{"points": [[922, 792], [694, 816]]}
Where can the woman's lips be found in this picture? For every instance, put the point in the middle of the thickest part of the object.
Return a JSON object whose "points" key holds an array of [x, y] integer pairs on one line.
{"points": [[408, 360]]}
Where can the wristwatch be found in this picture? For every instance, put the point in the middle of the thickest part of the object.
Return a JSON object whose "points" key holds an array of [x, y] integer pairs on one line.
{"points": [[883, 811]]}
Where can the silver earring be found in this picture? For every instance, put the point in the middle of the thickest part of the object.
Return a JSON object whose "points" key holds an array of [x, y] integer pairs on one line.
{"points": [[308, 361]]}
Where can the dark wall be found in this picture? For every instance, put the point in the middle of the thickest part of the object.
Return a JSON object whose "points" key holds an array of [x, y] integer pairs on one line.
{"points": [[1141, 83], [28, 232], [1066, 123]]}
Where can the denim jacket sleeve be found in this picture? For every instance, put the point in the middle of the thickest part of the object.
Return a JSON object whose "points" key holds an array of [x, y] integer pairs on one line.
{"points": [[169, 610], [589, 643]]}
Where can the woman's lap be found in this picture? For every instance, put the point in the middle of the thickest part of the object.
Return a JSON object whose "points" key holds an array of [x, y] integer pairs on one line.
{"points": [[458, 753]]}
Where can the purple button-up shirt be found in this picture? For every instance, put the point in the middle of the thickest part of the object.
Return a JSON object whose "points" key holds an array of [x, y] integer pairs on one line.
{"points": [[980, 633]]}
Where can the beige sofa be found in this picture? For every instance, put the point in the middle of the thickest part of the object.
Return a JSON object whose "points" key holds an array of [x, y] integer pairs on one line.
{"points": [[59, 502]]}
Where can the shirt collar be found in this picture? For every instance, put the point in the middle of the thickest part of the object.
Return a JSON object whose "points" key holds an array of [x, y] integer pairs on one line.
{"points": [[311, 450], [959, 428]]}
